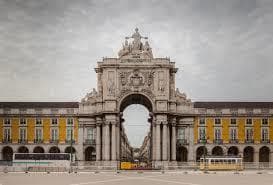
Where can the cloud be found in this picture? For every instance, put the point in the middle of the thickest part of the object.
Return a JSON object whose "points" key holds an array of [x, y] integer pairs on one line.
{"points": [[223, 49]]}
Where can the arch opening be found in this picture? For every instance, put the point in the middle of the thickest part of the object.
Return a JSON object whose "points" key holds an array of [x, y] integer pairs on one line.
{"points": [[90, 154], [7, 153], [233, 151], [68, 150], [200, 151], [217, 151], [54, 149], [264, 154], [38, 149], [248, 154], [135, 117], [182, 154], [23, 149]]}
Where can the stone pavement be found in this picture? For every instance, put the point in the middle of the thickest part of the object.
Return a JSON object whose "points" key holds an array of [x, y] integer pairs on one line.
{"points": [[137, 178]]}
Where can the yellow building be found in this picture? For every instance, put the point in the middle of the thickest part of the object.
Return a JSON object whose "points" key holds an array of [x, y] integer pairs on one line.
{"points": [[234, 128], [38, 127]]}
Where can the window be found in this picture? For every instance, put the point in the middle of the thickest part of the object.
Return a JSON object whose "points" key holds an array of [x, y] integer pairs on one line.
{"points": [[202, 121], [38, 134], [7, 122], [249, 121], [249, 134], [202, 133], [69, 133], [217, 121], [233, 121], [217, 133], [233, 133], [23, 134], [69, 121], [23, 121], [91, 134], [7, 134], [54, 121], [38, 121], [264, 121], [181, 133], [54, 134], [265, 134]]}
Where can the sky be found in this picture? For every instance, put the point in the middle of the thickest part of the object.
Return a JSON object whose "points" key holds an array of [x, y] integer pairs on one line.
{"points": [[223, 48]]}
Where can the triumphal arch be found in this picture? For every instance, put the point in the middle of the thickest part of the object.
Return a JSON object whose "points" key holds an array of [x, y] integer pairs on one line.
{"points": [[136, 77]]}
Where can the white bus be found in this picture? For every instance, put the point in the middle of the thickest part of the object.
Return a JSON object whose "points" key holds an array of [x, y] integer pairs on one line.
{"points": [[32, 160]]}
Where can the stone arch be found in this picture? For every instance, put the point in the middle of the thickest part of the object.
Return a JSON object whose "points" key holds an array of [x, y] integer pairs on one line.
{"points": [[38, 149], [90, 154], [217, 151], [22, 149], [248, 154], [136, 98], [68, 150], [182, 154], [54, 149], [200, 152], [233, 150], [7, 153], [264, 154]]}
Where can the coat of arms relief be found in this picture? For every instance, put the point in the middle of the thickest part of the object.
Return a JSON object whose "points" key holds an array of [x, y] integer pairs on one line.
{"points": [[136, 81]]}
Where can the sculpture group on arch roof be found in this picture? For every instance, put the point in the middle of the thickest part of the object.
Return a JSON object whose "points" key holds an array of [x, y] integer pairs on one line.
{"points": [[136, 49]]}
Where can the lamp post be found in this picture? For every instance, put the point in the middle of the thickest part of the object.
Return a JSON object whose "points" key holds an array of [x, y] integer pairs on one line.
{"points": [[204, 152]]}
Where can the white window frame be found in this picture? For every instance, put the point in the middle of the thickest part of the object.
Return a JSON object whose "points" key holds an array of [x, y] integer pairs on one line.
{"points": [[246, 135], [216, 135], [23, 128], [249, 119], [39, 124], [42, 133], [9, 120], [231, 133], [204, 130], [181, 133], [20, 122], [4, 133], [57, 134], [264, 128], [202, 119], [51, 122], [217, 123]]}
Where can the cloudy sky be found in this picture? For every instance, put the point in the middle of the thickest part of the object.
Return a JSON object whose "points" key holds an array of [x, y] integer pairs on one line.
{"points": [[223, 49]]}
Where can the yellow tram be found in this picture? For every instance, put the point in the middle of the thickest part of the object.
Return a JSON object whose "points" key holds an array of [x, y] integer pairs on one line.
{"points": [[221, 163]]}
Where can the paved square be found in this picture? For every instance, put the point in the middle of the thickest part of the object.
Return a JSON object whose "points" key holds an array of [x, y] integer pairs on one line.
{"points": [[134, 178]]}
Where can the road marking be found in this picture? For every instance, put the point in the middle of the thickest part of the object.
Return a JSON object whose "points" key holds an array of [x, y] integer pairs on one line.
{"points": [[174, 182], [110, 180]]}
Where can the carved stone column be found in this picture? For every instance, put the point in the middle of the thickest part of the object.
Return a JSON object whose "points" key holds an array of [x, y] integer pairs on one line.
{"points": [[98, 141], [118, 140], [154, 140], [158, 141], [113, 139], [164, 142], [191, 153], [106, 142], [173, 145]]}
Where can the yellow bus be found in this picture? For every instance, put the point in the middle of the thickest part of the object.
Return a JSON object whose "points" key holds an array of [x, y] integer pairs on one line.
{"points": [[221, 163]]}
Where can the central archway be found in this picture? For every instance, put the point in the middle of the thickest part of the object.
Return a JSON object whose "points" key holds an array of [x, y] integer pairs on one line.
{"points": [[135, 112]]}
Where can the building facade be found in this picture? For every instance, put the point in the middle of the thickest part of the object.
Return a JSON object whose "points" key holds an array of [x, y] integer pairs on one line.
{"points": [[180, 130]]}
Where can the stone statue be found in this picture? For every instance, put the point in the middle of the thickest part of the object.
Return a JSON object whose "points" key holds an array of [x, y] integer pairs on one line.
{"points": [[147, 51], [136, 49], [137, 44]]}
